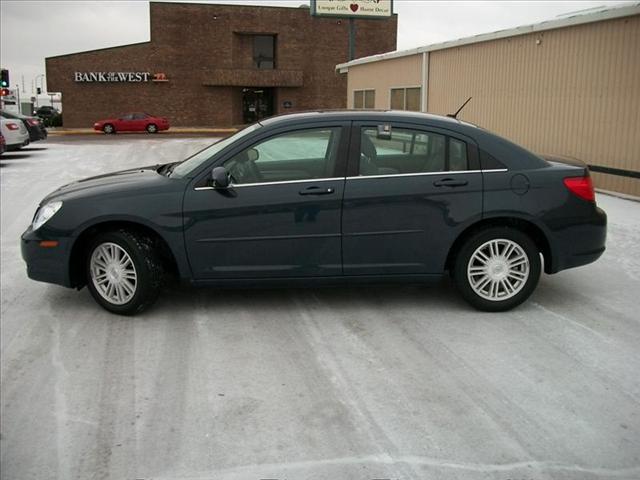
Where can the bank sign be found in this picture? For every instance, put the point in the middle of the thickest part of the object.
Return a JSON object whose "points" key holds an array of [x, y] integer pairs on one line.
{"points": [[118, 77], [352, 8]]}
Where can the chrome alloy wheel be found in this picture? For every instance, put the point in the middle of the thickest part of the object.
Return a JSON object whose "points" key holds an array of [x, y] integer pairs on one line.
{"points": [[498, 269], [113, 273]]}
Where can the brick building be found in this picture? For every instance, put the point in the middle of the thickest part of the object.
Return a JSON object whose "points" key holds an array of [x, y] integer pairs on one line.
{"points": [[217, 65]]}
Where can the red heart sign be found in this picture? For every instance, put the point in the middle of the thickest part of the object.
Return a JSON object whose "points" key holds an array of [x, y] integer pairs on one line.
{"points": [[354, 7]]}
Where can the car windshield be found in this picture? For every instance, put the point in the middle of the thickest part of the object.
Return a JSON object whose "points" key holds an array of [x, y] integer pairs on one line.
{"points": [[188, 166]]}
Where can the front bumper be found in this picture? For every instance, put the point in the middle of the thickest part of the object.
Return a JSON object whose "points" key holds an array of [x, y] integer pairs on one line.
{"points": [[46, 264]]}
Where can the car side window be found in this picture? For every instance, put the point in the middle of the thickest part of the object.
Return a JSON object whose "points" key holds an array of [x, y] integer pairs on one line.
{"points": [[406, 151], [139, 116], [457, 155], [127, 117], [401, 151], [298, 155]]}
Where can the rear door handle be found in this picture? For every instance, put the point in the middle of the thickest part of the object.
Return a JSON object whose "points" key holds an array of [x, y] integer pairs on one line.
{"points": [[450, 182], [317, 191]]}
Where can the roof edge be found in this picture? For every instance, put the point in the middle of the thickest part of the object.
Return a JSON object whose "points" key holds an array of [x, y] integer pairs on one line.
{"points": [[573, 20], [97, 50]]}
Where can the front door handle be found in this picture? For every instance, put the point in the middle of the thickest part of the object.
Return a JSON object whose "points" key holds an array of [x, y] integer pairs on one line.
{"points": [[450, 182], [317, 191]]}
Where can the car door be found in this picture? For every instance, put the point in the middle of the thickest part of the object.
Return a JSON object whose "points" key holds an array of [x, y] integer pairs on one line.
{"points": [[409, 192], [139, 122], [280, 217], [124, 123]]}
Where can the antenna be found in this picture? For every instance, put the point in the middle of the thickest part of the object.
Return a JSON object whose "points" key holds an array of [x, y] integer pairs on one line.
{"points": [[455, 115]]}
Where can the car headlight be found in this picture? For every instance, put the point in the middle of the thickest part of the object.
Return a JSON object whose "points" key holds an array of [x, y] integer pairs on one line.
{"points": [[44, 213]]}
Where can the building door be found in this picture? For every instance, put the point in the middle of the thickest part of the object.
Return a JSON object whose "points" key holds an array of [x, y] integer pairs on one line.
{"points": [[257, 103]]}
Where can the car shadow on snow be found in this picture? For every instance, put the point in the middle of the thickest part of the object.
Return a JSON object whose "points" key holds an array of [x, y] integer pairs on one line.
{"points": [[434, 296], [180, 301], [34, 149], [13, 156]]}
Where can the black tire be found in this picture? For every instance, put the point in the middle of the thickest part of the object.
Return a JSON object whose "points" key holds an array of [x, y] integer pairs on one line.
{"points": [[149, 268], [152, 128], [109, 129], [466, 252]]}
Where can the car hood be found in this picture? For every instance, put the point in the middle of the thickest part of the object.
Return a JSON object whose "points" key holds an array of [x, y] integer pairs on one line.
{"points": [[117, 183]]}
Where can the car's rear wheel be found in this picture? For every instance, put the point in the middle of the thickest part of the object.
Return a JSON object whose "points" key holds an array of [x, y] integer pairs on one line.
{"points": [[108, 129], [124, 271], [152, 128], [497, 269]]}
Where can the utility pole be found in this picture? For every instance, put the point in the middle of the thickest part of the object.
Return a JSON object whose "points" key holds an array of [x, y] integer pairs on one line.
{"points": [[352, 38], [18, 98]]}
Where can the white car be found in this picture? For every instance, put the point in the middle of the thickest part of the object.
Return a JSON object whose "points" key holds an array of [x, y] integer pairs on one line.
{"points": [[14, 132]]}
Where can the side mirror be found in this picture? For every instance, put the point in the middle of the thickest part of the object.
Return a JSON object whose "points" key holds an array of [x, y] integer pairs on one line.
{"points": [[220, 177]]}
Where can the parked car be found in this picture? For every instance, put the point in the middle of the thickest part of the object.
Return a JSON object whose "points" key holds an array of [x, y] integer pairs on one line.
{"points": [[46, 112], [37, 130], [132, 122], [332, 197], [14, 132], [3, 144]]}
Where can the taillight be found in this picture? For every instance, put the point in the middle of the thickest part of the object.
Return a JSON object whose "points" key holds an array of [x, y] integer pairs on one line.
{"points": [[581, 187], [13, 126], [33, 122]]}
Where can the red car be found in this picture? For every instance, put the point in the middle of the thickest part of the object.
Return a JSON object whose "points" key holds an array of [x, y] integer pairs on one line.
{"points": [[132, 122]]}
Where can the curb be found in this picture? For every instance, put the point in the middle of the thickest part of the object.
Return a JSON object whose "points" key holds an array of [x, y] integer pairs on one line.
{"points": [[165, 132], [624, 196]]}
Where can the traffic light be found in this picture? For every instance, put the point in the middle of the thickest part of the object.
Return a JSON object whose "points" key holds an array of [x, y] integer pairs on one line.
{"points": [[38, 90], [4, 78], [4, 92]]}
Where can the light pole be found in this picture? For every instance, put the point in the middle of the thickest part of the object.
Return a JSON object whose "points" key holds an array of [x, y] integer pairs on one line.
{"points": [[18, 98]]}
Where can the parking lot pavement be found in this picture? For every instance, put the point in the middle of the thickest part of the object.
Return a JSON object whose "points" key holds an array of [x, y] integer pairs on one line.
{"points": [[351, 383]]}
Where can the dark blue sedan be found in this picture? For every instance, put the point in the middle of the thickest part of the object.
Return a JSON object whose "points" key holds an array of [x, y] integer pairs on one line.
{"points": [[325, 198]]}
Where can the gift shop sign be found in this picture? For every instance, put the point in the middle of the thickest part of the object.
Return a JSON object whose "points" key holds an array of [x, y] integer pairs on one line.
{"points": [[118, 77], [352, 8]]}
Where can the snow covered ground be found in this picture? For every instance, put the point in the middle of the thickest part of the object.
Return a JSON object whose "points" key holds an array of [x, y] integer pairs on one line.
{"points": [[350, 383]]}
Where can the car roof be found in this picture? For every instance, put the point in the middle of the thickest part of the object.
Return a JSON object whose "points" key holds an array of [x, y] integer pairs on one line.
{"points": [[14, 115], [497, 146], [377, 115]]}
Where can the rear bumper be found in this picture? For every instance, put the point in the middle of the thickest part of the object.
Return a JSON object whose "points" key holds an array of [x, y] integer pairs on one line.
{"points": [[17, 146], [46, 264], [580, 243]]}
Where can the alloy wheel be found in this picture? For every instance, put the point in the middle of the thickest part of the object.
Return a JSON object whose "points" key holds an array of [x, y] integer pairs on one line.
{"points": [[498, 269], [113, 273]]}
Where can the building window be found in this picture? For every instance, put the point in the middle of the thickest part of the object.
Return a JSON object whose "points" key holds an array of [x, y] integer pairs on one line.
{"points": [[364, 99], [405, 99], [264, 52]]}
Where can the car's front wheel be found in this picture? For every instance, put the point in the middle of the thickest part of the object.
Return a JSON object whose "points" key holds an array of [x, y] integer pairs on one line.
{"points": [[108, 129], [497, 269], [152, 128], [124, 271]]}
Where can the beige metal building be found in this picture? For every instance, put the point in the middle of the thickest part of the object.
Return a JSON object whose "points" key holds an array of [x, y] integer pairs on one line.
{"points": [[569, 86]]}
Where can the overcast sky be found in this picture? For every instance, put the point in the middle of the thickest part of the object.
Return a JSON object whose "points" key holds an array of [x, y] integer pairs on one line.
{"points": [[33, 30]]}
